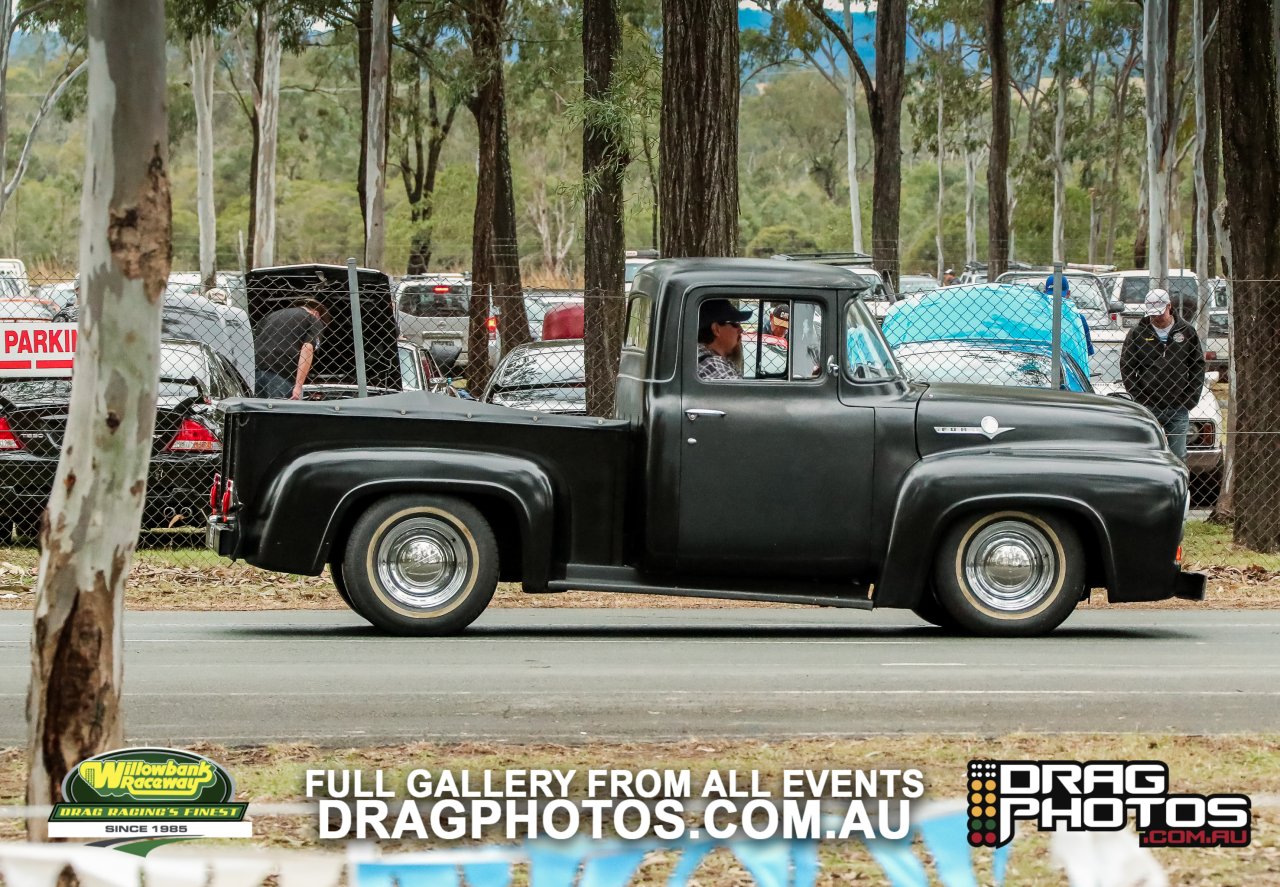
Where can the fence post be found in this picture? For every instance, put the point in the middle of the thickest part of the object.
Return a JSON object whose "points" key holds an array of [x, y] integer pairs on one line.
{"points": [[1055, 355], [357, 326]]}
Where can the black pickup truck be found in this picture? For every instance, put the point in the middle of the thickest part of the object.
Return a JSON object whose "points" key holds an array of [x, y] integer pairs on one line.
{"points": [[820, 477]]}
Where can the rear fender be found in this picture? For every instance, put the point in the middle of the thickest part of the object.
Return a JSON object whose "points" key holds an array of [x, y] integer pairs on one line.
{"points": [[312, 500]]}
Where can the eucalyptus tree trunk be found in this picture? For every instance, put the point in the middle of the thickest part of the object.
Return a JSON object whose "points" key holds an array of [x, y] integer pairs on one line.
{"points": [[73, 706], [1060, 141], [698, 139], [998, 159], [970, 203], [942, 44], [604, 164], [1251, 173], [1202, 206], [1155, 55], [204, 58], [375, 173], [851, 137], [266, 105]]}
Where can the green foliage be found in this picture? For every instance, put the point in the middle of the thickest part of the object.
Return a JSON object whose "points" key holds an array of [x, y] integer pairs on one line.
{"points": [[780, 239]]}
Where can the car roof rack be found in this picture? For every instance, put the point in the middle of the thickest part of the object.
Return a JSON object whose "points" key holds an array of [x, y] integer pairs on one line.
{"points": [[832, 258]]}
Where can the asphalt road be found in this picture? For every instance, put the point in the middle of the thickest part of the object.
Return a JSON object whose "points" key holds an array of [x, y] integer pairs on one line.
{"points": [[581, 675]]}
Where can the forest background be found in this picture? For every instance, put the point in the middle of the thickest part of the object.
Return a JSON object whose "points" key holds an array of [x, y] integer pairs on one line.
{"points": [[793, 152]]}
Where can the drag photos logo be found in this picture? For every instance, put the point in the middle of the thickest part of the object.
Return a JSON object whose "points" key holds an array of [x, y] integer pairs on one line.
{"points": [[1099, 796]]}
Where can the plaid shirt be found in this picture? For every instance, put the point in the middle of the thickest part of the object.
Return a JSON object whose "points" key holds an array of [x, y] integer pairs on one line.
{"points": [[712, 366]]}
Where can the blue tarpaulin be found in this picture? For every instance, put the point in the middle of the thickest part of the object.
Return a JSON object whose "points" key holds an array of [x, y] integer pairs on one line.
{"points": [[1006, 313]]}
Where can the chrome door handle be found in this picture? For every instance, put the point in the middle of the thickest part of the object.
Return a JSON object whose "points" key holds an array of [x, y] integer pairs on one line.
{"points": [[695, 413]]}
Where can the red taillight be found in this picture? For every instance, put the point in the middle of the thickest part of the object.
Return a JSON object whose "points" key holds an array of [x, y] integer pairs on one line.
{"points": [[492, 324], [213, 493], [226, 498], [8, 441], [194, 437], [1211, 355], [440, 289]]}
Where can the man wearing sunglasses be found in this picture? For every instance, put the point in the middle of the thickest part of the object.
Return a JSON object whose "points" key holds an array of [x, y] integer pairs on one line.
{"points": [[720, 340]]}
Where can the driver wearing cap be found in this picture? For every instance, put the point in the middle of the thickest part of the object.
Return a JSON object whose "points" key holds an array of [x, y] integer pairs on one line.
{"points": [[720, 340]]}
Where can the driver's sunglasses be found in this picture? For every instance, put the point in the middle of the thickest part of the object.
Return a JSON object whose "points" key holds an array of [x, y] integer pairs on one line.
{"points": [[732, 323]]}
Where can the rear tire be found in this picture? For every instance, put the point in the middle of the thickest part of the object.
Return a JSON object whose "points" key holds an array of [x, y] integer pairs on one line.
{"points": [[928, 609], [1010, 573], [339, 583], [421, 565]]}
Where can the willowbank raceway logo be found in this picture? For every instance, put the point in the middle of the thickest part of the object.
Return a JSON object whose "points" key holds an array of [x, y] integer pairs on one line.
{"points": [[148, 793], [1099, 796]]}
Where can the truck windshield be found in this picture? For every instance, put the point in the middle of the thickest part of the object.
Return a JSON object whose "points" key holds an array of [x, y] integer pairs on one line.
{"points": [[867, 356]]}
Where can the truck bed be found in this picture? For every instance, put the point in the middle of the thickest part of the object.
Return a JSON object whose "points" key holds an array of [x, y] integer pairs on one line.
{"points": [[586, 460]]}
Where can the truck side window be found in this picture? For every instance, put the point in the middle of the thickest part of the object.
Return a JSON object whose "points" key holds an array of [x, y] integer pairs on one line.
{"points": [[638, 313], [782, 341], [867, 355]]}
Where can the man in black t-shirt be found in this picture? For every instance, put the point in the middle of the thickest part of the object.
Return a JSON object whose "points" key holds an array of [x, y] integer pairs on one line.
{"points": [[284, 346]]}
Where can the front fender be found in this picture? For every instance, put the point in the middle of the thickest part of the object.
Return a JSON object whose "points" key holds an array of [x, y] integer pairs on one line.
{"points": [[1120, 505], [316, 494]]}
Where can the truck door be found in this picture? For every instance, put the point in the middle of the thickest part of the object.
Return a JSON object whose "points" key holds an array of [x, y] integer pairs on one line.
{"points": [[775, 472]]}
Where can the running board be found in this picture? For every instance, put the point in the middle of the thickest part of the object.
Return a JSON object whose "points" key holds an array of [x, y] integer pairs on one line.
{"points": [[627, 581]]}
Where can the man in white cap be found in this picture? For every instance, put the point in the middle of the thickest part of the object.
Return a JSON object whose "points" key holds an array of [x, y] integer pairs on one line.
{"points": [[1162, 367]]}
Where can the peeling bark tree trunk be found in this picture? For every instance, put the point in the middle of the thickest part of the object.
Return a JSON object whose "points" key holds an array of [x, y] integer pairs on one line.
{"points": [[970, 203], [266, 102], [495, 262], [204, 57], [1251, 167], [851, 138], [604, 163], [375, 179], [942, 48], [698, 141], [73, 706], [1157, 53], [886, 123], [1202, 205], [998, 160]]}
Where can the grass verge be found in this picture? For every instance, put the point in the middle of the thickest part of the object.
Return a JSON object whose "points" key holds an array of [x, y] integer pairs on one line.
{"points": [[1197, 764]]}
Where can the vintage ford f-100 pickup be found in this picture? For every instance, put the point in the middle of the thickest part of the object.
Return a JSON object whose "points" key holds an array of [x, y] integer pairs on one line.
{"points": [[820, 477]]}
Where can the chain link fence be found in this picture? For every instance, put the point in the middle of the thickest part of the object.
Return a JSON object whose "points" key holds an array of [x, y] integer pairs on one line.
{"points": [[329, 332]]}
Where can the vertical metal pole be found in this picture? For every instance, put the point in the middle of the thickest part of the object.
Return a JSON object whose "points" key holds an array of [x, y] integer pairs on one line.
{"points": [[1055, 355], [357, 327]]}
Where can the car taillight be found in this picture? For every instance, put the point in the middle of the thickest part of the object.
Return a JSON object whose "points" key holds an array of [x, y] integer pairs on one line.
{"points": [[492, 324], [1211, 355], [440, 289], [1205, 435], [8, 441], [194, 437], [213, 493], [226, 498]]}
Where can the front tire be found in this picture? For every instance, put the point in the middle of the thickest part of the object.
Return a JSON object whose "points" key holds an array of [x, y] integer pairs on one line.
{"points": [[421, 565], [1010, 573]]}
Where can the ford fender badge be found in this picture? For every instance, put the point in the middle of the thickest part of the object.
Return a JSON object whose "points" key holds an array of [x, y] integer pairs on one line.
{"points": [[989, 427]]}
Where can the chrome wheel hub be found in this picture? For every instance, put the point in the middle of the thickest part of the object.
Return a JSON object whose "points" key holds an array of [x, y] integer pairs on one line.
{"points": [[423, 562], [1010, 566]]}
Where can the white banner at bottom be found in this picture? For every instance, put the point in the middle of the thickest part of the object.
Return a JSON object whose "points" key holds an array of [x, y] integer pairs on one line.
{"points": [[151, 829]]}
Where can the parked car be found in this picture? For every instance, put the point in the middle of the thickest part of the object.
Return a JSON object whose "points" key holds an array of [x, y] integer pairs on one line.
{"points": [[227, 289], [187, 313], [62, 293], [909, 284], [549, 377], [1131, 287], [1205, 435], [186, 447], [1086, 292], [992, 510], [1020, 364], [567, 308], [17, 309], [878, 292], [14, 282], [416, 374], [1002, 315], [633, 261], [1217, 347], [435, 310]]}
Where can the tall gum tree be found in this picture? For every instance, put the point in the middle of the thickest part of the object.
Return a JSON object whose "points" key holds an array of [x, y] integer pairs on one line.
{"points": [[884, 107], [73, 705], [698, 142], [1251, 175]]}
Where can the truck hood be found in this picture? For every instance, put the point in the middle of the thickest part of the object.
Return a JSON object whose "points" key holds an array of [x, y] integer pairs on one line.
{"points": [[952, 417]]}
